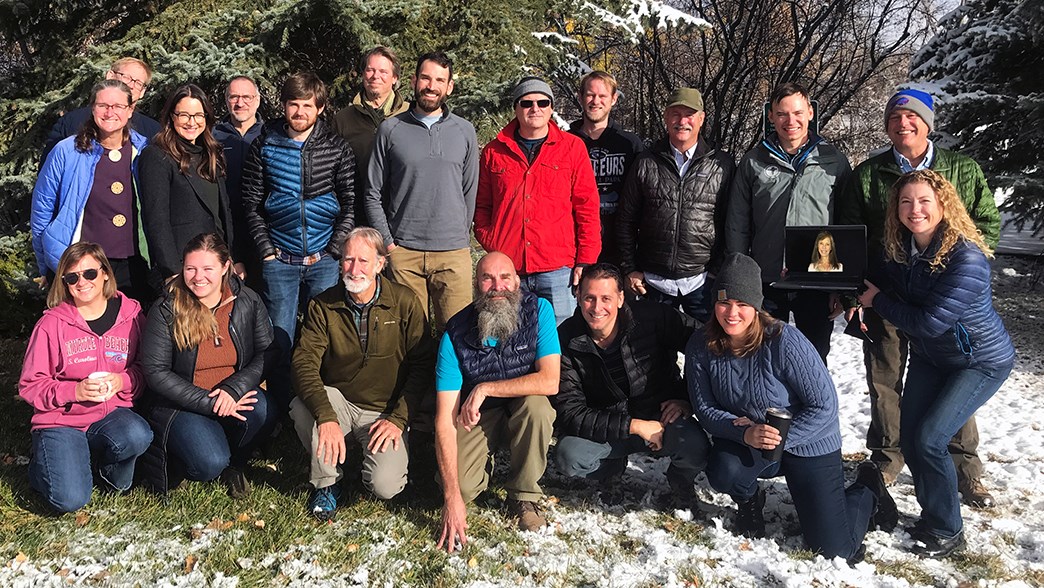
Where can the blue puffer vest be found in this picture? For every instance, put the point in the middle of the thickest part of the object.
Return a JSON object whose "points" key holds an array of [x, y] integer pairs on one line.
{"points": [[297, 225], [512, 358]]}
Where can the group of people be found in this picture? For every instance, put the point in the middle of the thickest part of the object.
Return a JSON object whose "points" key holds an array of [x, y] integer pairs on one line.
{"points": [[606, 260]]}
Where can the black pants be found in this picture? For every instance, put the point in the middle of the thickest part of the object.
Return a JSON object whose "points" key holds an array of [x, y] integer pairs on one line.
{"points": [[132, 278], [811, 310]]}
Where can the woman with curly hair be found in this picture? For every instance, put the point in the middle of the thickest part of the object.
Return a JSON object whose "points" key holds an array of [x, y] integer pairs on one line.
{"points": [[936, 289]]}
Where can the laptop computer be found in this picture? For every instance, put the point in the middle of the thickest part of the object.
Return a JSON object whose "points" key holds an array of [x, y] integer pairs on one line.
{"points": [[811, 266]]}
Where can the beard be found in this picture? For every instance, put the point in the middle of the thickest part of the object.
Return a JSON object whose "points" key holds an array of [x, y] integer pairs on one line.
{"points": [[498, 318], [358, 285], [429, 104]]}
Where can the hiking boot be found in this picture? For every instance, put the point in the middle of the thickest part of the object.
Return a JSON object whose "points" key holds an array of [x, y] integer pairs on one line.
{"points": [[750, 516], [236, 483], [529, 518], [886, 516], [974, 494], [929, 545], [323, 502]]}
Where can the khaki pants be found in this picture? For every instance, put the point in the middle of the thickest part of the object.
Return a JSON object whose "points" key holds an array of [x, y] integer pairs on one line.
{"points": [[524, 426], [885, 361], [384, 474], [441, 277]]}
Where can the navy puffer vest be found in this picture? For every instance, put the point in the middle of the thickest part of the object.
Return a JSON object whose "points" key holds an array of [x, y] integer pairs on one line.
{"points": [[512, 358]]}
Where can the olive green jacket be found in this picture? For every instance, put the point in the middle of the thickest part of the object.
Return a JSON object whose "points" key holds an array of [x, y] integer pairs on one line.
{"points": [[398, 362], [865, 198]]}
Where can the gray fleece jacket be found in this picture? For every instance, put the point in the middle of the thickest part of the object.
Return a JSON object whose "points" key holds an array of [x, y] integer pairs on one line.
{"points": [[422, 182]]}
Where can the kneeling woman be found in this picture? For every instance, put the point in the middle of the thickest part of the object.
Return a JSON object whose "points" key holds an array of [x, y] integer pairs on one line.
{"points": [[81, 376], [206, 347], [745, 362], [936, 290]]}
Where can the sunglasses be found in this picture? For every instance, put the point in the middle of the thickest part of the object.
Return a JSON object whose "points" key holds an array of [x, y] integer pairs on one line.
{"points": [[72, 278], [539, 103]]}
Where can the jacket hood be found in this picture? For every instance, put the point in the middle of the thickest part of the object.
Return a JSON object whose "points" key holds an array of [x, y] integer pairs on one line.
{"points": [[67, 313]]}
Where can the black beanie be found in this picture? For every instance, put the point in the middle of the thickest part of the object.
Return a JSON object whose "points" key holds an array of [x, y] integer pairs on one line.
{"points": [[739, 279]]}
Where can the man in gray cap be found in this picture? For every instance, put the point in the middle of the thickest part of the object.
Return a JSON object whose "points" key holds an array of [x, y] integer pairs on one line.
{"points": [[537, 199], [670, 224]]}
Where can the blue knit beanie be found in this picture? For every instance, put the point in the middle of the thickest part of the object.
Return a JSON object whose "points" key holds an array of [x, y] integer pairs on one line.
{"points": [[916, 101]]}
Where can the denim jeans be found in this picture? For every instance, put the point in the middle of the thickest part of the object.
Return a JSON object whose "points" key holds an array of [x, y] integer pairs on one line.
{"points": [[833, 520], [287, 289], [696, 304], [60, 469], [206, 445], [556, 287], [684, 442], [936, 403]]}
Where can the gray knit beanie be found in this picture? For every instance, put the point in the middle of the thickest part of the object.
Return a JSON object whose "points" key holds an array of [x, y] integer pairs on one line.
{"points": [[739, 279], [530, 85], [915, 101]]}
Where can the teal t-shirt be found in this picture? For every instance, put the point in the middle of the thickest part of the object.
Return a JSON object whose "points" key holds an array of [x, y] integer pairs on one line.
{"points": [[448, 375]]}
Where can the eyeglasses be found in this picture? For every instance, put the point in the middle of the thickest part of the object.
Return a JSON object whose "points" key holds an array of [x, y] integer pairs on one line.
{"points": [[72, 278], [242, 97], [530, 103], [102, 107], [185, 117], [132, 82]]}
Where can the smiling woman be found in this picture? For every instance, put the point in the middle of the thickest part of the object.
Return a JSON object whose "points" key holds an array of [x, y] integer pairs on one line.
{"points": [[209, 343], [183, 182]]}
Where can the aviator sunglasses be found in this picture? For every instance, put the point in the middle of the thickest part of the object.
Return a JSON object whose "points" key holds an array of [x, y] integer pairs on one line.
{"points": [[72, 278]]}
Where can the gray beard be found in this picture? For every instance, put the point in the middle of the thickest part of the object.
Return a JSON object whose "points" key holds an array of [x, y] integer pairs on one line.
{"points": [[498, 319]]}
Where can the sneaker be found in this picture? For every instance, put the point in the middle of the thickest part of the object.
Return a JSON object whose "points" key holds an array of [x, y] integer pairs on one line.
{"points": [[928, 545], [974, 494], [323, 502], [236, 483], [886, 517], [529, 518], [750, 516]]}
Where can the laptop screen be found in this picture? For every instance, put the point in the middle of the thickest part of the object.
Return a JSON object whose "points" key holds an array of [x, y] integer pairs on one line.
{"points": [[825, 251]]}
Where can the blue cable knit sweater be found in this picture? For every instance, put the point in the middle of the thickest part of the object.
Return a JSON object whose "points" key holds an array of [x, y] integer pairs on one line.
{"points": [[785, 373]]}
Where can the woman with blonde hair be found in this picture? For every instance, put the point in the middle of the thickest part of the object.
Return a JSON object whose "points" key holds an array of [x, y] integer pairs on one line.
{"points": [[935, 288], [208, 344], [81, 376]]}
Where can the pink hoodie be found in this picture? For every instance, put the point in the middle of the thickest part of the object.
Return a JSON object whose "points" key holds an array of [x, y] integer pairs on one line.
{"points": [[63, 350]]}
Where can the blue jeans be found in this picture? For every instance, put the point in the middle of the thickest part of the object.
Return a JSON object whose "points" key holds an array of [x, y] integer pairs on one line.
{"points": [[683, 441], [206, 445], [936, 403], [60, 469], [696, 304], [287, 289], [556, 287], [833, 520]]}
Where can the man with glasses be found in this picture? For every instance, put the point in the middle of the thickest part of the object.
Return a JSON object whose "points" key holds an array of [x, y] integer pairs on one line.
{"points": [[377, 101], [236, 131], [133, 72], [537, 199]]}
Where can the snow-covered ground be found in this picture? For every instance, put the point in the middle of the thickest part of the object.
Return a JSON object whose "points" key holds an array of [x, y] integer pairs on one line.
{"points": [[622, 537]]}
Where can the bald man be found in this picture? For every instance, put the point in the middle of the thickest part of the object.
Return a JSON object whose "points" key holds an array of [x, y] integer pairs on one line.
{"points": [[498, 363]]}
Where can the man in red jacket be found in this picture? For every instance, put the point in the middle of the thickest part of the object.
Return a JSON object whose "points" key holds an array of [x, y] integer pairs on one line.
{"points": [[537, 199]]}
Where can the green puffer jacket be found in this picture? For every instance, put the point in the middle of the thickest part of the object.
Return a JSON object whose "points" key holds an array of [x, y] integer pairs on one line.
{"points": [[865, 199], [769, 193], [397, 364]]}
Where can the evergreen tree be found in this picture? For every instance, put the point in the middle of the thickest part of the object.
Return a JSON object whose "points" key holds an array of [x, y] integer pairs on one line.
{"points": [[984, 67]]}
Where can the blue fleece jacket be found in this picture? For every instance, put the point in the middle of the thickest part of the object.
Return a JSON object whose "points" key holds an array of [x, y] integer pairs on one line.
{"points": [[786, 372]]}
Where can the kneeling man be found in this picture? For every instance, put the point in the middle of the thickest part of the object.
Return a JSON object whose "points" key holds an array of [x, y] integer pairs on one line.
{"points": [[365, 347], [621, 390], [498, 362]]}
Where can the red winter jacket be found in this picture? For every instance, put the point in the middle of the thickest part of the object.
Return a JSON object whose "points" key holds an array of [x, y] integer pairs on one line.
{"points": [[544, 216], [63, 350]]}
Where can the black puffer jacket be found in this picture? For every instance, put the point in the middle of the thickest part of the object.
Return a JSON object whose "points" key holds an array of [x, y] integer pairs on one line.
{"points": [[327, 167], [169, 373], [670, 225], [589, 404]]}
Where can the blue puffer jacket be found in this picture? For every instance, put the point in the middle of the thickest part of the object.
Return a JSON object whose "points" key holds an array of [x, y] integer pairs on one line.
{"points": [[948, 315], [298, 197], [61, 193]]}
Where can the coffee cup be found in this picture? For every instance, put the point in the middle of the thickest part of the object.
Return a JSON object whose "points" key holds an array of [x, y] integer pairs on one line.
{"points": [[780, 419]]}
